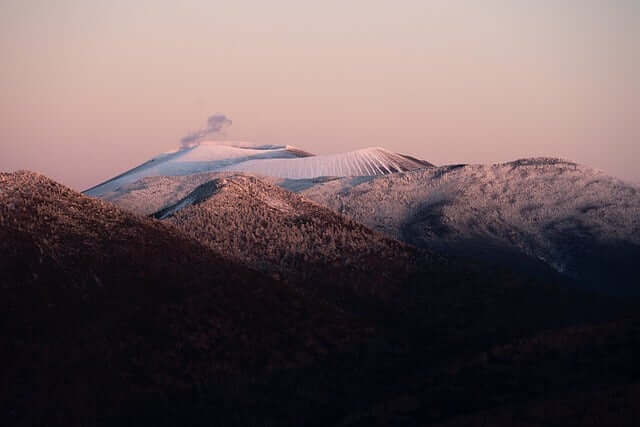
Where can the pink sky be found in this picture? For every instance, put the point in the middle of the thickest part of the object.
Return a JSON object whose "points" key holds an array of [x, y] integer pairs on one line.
{"points": [[91, 88]]}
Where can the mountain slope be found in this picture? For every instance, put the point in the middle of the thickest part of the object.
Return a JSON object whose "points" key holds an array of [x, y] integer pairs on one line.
{"points": [[430, 362], [365, 162], [204, 157], [279, 232], [108, 318], [279, 161], [148, 195], [578, 221], [101, 308]]}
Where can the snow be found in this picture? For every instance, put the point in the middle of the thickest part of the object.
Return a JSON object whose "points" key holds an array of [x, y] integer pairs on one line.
{"points": [[186, 202], [205, 157], [365, 162], [270, 160], [528, 194], [153, 193], [575, 219], [553, 210]]}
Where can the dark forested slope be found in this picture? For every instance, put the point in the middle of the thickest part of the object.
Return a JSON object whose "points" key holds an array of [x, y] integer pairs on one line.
{"points": [[99, 307]]}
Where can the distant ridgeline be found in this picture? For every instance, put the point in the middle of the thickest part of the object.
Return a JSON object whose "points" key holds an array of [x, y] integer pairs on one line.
{"points": [[541, 217], [276, 161]]}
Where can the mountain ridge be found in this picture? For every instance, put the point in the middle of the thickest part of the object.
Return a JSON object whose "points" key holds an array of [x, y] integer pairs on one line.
{"points": [[552, 210], [112, 318], [101, 306], [282, 233], [275, 160]]}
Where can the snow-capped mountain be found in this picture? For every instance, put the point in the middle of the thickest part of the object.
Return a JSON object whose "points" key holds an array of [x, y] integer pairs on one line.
{"points": [[366, 162], [204, 157], [531, 215], [577, 220], [270, 160]]}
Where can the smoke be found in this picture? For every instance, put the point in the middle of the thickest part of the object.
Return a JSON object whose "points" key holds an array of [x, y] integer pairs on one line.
{"points": [[216, 124]]}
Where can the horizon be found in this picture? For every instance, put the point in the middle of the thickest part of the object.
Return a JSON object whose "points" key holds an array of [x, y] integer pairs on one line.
{"points": [[91, 90]]}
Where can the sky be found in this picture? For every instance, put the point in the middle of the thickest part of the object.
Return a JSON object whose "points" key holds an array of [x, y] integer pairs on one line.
{"points": [[91, 88]]}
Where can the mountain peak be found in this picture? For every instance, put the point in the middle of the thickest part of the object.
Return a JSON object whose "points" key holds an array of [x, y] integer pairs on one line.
{"points": [[540, 161], [280, 161]]}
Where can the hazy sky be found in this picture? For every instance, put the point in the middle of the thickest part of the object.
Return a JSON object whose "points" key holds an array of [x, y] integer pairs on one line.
{"points": [[90, 88]]}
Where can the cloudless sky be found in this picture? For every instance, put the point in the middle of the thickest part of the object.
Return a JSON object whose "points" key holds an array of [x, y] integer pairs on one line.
{"points": [[90, 88]]}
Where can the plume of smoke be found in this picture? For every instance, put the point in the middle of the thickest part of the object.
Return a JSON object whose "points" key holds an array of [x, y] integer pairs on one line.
{"points": [[216, 124]]}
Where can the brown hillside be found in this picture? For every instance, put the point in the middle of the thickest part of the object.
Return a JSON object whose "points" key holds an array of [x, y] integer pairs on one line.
{"points": [[100, 307]]}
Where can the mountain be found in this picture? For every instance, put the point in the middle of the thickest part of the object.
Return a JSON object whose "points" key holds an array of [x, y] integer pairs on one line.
{"points": [[101, 308], [543, 217], [523, 214], [111, 318], [283, 234], [204, 157], [273, 230], [151, 194], [366, 162], [270, 160]]}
